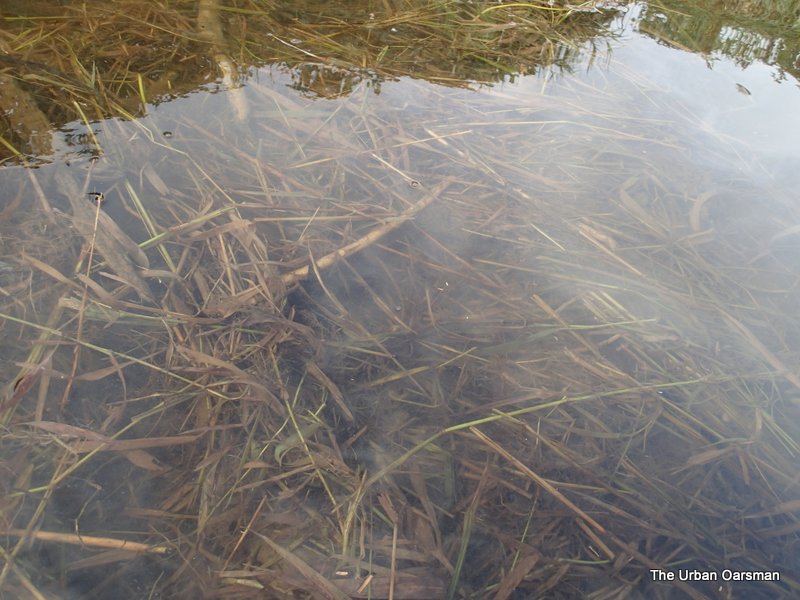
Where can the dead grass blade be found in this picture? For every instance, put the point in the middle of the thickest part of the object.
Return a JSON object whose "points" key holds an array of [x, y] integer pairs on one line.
{"points": [[319, 584]]}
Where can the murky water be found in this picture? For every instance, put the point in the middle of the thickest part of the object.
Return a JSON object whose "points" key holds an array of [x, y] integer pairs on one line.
{"points": [[417, 320]]}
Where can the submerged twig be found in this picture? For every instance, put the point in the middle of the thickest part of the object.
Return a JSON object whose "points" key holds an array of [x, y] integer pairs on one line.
{"points": [[373, 236]]}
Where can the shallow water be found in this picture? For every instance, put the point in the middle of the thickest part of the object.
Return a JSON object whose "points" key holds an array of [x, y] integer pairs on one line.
{"points": [[611, 251]]}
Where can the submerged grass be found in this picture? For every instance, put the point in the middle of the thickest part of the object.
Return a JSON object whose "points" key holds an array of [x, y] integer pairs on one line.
{"points": [[370, 358]]}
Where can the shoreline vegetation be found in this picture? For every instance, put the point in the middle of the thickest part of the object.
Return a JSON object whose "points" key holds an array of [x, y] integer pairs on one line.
{"points": [[303, 302]]}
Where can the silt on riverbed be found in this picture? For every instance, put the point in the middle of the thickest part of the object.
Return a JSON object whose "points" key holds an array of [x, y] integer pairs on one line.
{"points": [[358, 318]]}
